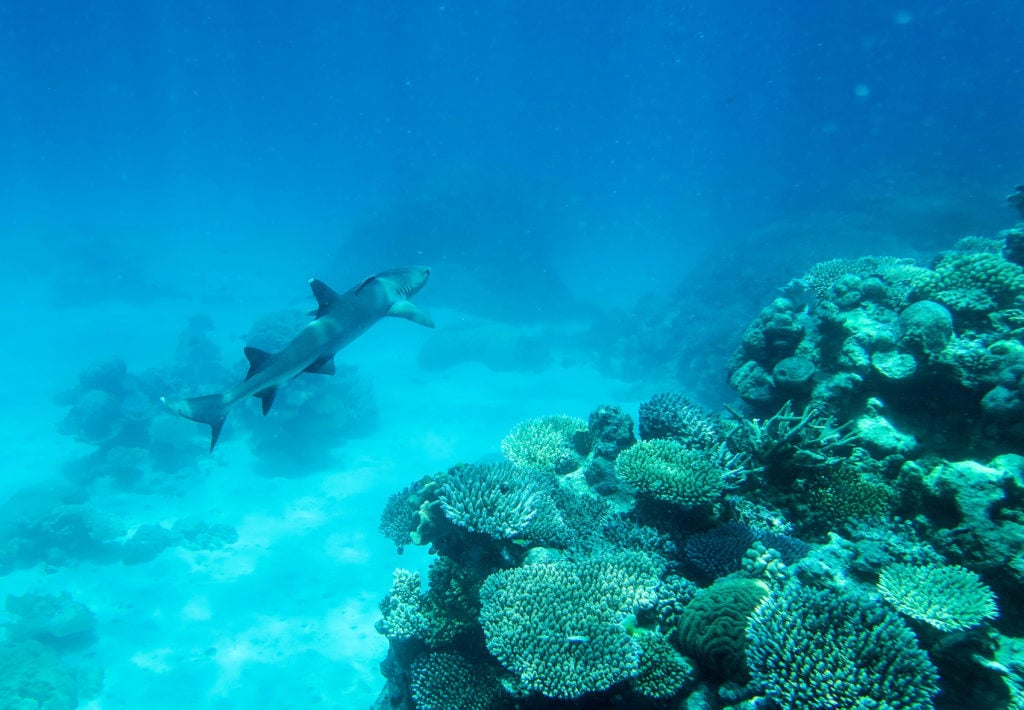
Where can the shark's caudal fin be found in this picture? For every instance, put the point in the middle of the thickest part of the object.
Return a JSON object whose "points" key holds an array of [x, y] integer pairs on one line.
{"points": [[209, 409]]}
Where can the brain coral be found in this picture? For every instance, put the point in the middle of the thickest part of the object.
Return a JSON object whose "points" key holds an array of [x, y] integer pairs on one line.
{"points": [[555, 444], [560, 626], [712, 625], [669, 471], [445, 681], [948, 597], [817, 648]]}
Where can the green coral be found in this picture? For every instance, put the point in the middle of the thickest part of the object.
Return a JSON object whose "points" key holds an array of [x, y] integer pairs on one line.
{"points": [[948, 597], [847, 493], [669, 471], [822, 648], [448, 681], [561, 627], [553, 444], [712, 625], [974, 282]]}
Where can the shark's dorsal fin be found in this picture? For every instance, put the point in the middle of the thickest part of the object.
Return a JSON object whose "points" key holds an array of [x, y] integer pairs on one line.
{"points": [[257, 358], [325, 296], [365, 283], [267, 398], [409, 311], [323, 366]]}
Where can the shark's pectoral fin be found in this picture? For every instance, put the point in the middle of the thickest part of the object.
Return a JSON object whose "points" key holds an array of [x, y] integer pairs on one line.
{"points": [[409, 311], [267, 398], [325, 296], [323, 366], [257, 358]]}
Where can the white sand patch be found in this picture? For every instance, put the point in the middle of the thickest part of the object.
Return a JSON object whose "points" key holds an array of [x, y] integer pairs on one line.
{"points": [[156, 661], [197, 609], [348, 548]]}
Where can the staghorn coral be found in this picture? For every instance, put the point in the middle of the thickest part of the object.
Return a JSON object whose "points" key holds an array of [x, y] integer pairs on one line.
{"points": [[560, 626], [822, 648], [948, 597], [553, 444], [787, 440], [668, 471], [711, 626]]}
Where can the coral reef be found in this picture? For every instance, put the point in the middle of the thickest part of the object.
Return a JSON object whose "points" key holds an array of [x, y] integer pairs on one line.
{"points": [[838, 540]]}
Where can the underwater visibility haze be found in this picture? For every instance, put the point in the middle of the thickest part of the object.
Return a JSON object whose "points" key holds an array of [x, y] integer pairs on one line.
{"points": [[723, 407]]}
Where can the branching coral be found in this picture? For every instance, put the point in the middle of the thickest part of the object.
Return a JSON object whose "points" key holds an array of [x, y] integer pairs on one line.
{"points": [[974, 282], [821, 648], [810, 439], [445, 681]]}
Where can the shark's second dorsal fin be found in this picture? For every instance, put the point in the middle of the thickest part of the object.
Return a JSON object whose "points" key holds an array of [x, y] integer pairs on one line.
{"points": [[409, 311], [267, 398], [325, 296], [257, 358]]}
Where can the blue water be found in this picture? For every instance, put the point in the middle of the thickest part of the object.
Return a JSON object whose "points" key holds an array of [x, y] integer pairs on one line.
{"points": [[571, 172]]}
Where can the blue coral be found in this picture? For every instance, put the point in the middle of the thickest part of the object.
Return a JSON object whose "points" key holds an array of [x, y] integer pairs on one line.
{"points": [[672, 416]]}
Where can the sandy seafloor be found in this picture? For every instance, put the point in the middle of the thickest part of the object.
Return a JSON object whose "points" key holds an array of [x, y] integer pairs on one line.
{"points": [[284, 617]]}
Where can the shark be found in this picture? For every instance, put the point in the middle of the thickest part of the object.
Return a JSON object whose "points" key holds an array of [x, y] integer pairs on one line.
{"points": [[338, 320]]}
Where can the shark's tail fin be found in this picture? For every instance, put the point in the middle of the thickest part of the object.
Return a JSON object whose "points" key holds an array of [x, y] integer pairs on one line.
{"points": [[209, 409]]}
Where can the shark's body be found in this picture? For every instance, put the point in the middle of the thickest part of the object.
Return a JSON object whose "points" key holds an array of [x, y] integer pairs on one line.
{"points": [[340, 319]]}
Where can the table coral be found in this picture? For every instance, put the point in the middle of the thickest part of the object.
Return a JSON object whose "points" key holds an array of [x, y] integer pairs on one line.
{"points": [[948, 597], [561, 627], [554, 444]]}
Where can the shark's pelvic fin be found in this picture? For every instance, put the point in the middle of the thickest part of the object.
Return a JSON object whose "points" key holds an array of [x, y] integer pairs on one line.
{"points": [[323, 366], [267, 398], [409, 311], [257, 358], [325, 296], [208, 409]]}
